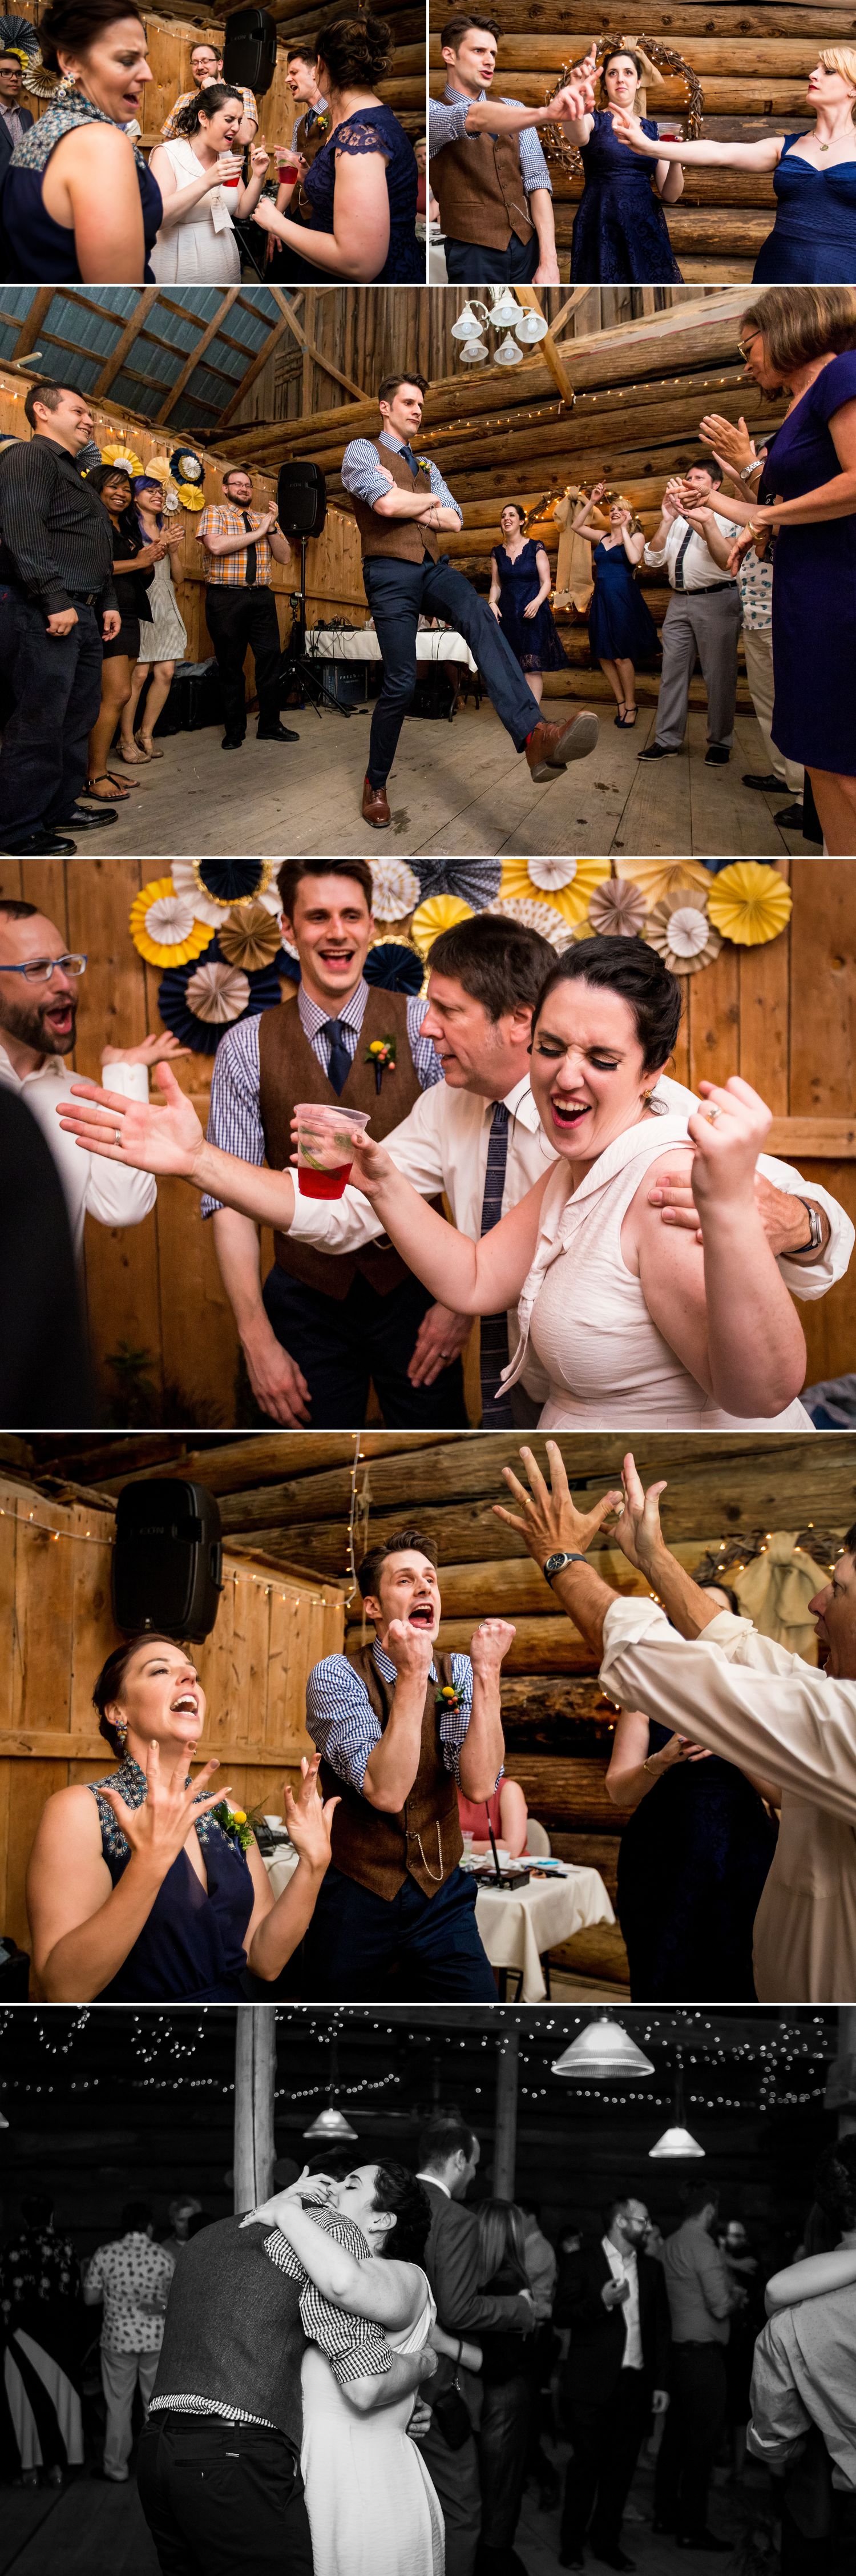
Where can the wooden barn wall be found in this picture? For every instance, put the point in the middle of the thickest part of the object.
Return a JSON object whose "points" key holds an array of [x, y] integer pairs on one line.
{"points": [[171, 40], [753, 64], [747, 1013], [56, 1629]]}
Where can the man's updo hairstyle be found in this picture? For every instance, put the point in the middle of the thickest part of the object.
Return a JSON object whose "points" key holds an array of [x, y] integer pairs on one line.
{"points": [[109, 1685], [205, 103], [74, 25], [620, 53], [835, 2182], [397, 2189], [634, 971], [357, 51]]}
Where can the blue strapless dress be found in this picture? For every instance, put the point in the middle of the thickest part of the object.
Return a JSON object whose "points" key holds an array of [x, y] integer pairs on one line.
{"points": [[691, 1870], [369, 129], [620, 623], [814, 585], [620, 232], [42, 251], [813, 241], [533, 640], [191, 1949]]}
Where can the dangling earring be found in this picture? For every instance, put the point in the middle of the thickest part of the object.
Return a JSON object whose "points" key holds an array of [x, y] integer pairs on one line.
{"points": [[121, 1729]]}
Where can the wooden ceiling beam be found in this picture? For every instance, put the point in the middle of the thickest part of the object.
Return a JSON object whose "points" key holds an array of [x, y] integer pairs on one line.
{"points": [[529, 296], [113, 365], [36, 318], [197, 354], [309, 345]]}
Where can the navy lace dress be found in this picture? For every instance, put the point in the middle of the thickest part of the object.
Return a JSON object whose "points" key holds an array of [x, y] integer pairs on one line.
{"points": [[191, 1949], [620, 231], [814, 585], [368, 129], [620, 623], [813, 241], [533, 640], [692, 1864]]}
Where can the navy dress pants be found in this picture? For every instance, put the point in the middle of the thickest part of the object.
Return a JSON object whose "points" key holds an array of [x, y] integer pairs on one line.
{"points": [[467, 264], [399, 594], [345, 1344], [55, 684], [362, 1948]]}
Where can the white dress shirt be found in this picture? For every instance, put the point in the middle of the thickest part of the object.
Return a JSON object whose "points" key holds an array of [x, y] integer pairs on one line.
{"points": [[92, 1186], [700, 568], [747, 1698], [624, 2267]]}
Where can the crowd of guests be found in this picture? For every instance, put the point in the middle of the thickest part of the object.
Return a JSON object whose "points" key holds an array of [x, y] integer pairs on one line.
{"points": [[80, 200]]}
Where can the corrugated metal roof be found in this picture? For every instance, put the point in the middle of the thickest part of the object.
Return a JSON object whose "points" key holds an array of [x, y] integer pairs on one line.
{"points": [[90, 338]]}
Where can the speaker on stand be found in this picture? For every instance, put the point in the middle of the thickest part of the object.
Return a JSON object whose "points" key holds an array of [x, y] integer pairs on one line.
{"points": [[301, 512]]}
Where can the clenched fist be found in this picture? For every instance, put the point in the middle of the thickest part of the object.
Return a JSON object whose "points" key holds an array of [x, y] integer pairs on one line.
{"points": [[489, 1643], [411, 1650]]}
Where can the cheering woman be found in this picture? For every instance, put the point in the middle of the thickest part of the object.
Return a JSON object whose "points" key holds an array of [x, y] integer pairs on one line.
{"points": [[813, 241], [621, 628], [361, 187], [79, 203]]}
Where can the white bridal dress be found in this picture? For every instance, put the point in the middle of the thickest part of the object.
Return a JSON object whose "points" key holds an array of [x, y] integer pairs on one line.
{"points": [[372, 2508]]}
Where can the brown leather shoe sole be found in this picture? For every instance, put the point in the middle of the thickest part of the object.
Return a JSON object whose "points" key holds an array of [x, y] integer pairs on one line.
{"points": [[576, 740]]}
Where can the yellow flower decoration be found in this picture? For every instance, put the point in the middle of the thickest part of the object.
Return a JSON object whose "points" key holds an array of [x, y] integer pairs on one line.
{"points": [[572, 901], [124, 457], [436, 914], [179, 952], [749, 903], [656, 877], [190, 496]]}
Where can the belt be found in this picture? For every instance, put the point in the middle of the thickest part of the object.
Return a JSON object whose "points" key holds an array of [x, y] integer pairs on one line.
{"points": [[85, 598], [704, 589]]}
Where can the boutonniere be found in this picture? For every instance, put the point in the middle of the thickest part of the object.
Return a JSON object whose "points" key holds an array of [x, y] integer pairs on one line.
{"points": [[448, 1700], [381, 1053], [425, 463], [233, 1823], [322, 121]]}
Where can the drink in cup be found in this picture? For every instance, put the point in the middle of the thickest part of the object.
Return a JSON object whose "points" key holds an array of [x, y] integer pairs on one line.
{"points": [[325, 1147], [287, 164]]}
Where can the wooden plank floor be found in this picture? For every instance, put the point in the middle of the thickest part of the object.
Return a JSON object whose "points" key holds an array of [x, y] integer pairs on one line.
{"points": [[87, 2530], [456, 791]]}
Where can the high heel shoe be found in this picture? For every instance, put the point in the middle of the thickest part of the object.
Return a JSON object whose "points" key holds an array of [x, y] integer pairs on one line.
{"points": [[628, 719]]}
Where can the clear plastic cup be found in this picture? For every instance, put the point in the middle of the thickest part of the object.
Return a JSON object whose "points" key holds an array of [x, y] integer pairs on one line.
{"points": [[287, 167], [325, 1139]]}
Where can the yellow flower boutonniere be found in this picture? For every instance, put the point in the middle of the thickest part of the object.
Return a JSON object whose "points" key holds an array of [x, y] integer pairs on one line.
{"points": [[447, 1699], [381, 1053]]}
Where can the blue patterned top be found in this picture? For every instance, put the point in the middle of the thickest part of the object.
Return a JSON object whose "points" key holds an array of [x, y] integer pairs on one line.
{"points": [[373, 129], [191, 1948], [39, 247]]}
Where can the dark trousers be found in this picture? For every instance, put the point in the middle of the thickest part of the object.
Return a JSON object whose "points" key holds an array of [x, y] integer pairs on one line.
{"points": [[467, 264], [455, 2474], [503, 2441], [606, 2433], [55, 682], [221, 2498], [236, 618], [694, 2428], [398, 595], [359, 1948], [345, 1344]]}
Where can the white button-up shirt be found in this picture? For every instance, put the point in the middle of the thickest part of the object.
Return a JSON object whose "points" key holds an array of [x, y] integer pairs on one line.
{"points": [[624, 2267], [92, 1186], [700, 568]]}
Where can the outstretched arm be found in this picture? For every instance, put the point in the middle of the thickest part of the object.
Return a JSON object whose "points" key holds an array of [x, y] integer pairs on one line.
{"points": [[763, 155], [169, 1139], [549, 1522], [812, 2278], [474, 1278]]}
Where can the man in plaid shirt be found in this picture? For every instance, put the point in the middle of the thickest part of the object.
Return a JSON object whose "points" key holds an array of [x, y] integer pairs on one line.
{"points": [[240, 607]]}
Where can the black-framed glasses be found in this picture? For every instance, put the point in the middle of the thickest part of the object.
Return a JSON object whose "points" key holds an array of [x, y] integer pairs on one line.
{"points": [[39, 970]]}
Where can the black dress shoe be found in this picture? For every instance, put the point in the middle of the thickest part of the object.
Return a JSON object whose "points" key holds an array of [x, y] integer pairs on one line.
{"points": [[766, 785], [658, 751], [232, 741], [41, 845], [791, 817], [276, 733], [88, 818], [717, 756]]}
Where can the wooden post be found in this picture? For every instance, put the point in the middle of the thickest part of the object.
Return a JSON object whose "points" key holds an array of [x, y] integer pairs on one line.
{"points": [[255, 2077], [841, 2085], [506, 2116]]}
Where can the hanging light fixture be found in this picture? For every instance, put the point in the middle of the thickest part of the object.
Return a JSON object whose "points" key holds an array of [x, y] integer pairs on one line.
{"points": [[472, 352], [530, 327], [677, 2142], [508, 354], [470, 322], [331, 2127], [505, 310], [603, 2052]]}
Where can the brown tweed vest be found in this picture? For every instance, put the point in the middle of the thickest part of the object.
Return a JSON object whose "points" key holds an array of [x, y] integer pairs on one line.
{"points": [[424, 1840], [300, 209], [290, 1072], [401, 537], [479, 189]]}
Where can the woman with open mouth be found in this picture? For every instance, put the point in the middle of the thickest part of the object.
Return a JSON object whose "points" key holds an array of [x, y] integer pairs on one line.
{"points": [[79, 203], [146, 1886], [813, 241]]}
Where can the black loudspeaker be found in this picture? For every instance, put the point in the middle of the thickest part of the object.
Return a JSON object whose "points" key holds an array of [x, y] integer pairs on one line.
{"points": [[168, 1559], [249, 50], [301, 499]]}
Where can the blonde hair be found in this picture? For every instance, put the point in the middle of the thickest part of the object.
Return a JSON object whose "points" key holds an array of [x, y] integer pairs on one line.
{"points": [[841, 59]]}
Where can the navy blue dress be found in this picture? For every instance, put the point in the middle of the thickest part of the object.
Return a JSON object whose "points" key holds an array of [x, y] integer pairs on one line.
{"points": [[533, 640], [191, 1949], [620, 231], [813, 241], [814, 587], [620, 623], [42, 250], [366, 130], [692, 1864]]}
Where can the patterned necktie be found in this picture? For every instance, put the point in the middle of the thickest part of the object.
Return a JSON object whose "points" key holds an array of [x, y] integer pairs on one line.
{"points": [[680, 583], [341, 1059], [496, 1405], [251, 552]]}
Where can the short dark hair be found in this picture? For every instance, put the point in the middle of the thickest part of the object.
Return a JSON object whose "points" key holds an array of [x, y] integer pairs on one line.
{"points": [[76, 24], [302, 54], [848, 1544], [369, 1571], [389, 385], [46, 393], [237, 469], [15, 910], [397, 2189], [8, 55], [293, 871], [445, 2134], [108, 1686], [458, 26], [835, 2181], [499, 963], [207, 102], [710, 465], [204, 45], [697, 2196], [357, 50], [632, 969], [714, 1583], [137, 2215]]}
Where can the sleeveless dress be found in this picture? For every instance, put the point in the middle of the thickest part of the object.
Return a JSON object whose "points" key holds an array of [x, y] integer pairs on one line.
{"points": [[163, 634], [692, 1865], [202, 249], [813, 241], [619, 622], [191, 1949], [620, 231], [814, 586], [372, 2508], [533, 640], [608, 1366], [39, 249], [368, 129]]}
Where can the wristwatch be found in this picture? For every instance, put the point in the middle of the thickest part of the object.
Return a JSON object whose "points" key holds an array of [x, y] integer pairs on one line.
{"points": [[556, 1564], [815, 1238]]}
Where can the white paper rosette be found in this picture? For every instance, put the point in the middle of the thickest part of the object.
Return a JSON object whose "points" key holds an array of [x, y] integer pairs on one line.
{"points": [[688, 931], [395, 889], [170, 919], [217, 993], [184, 881], [550, 874], [535, 916], [680, 930]]}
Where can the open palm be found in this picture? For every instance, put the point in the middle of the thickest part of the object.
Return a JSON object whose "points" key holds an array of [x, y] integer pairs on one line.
{"points": [[150, 1139]]}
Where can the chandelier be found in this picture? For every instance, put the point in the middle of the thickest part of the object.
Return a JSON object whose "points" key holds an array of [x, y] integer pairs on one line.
{"points": [[515, 327]]}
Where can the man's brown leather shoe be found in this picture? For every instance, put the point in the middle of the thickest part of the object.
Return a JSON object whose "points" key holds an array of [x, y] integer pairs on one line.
{"points": [[551, 746], [375, 808]]}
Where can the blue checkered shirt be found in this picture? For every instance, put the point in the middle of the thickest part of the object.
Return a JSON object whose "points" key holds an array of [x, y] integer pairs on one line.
{"points": [[342, 1722], [447, 123], [362, 475], [234, 1119]]}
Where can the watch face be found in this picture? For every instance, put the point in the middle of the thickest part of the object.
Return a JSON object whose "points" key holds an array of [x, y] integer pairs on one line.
{"points": [[554, 1563]]}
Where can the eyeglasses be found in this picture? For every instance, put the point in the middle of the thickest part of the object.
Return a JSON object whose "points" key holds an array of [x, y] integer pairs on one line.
{"points": [[39, 970], [746, 346]]}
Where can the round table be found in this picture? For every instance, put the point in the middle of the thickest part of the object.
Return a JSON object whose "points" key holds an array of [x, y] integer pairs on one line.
{"points": [[516, 1925]]}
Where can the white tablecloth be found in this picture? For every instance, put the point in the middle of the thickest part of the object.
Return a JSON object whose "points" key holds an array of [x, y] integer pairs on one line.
{"points": [[360, 644], [517, 1927]]}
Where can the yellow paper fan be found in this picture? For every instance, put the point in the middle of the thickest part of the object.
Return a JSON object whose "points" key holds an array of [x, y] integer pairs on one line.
{"points": [[656, 877], [124, 458], [436, 914], [749, 903], [183, 950], [572, 901]]}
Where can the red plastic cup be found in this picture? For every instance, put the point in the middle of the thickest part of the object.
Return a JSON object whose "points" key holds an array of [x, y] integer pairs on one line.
{"points": [[324, 1137]]}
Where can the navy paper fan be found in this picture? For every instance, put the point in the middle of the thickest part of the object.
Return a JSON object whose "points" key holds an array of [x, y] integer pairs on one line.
{"points": [[476, 881], [396, 968], [204, 1035], [232, 880]]}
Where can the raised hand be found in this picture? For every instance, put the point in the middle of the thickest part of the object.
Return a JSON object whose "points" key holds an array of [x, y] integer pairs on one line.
{"points": [[729, 441], [411, 1650], [158, 1830], [489, 1643], [549, 1519], [673, 498], [133, 1132], [160, 1048], [638, 1532], [728, 1132], [309, 1818]]}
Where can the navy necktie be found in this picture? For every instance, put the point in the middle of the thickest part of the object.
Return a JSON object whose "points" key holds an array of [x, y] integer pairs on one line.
{"points": [[496, 1405], [680, 583], [409, 458], [341, 1058]]}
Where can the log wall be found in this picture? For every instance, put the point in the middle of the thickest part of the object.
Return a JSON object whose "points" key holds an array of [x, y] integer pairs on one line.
{"points": [[171, 40]]}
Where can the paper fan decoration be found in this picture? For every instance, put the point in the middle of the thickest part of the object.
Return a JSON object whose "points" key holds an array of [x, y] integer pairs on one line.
{"points": [[440, 911], [229, 881], [186, 466], [18, 36], [125, 457], [217, 992], [571, 900], [204, 1035], [182, 944], [396, 968], [656, 877], [750, 903], [38, 80], [189, 497], [616, 910], [249, 937], [535, 916], [680, 931], [395, 889], [552, 874], [476, 881]]}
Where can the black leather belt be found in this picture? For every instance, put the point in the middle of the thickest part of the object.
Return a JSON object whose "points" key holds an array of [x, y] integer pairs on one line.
{"points": [[84, 598], [704, 589]]}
